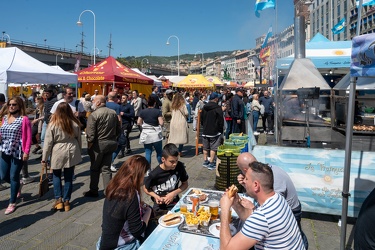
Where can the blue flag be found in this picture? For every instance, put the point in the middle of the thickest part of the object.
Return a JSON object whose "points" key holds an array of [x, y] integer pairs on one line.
{"points": [[340, 27], [269, 34], [262, 5], [363, 56], [366, 3]]}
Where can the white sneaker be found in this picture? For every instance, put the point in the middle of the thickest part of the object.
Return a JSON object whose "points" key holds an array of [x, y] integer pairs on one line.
{"points": [[270, 133], [256, 133], [113, 168]]}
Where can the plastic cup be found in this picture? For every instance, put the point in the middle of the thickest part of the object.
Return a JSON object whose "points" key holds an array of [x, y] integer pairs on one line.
{"points": [[183, 208], [214, 209]]}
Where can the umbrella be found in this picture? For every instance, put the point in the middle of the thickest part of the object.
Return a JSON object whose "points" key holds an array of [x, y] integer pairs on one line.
{"points": [[215, 80]]}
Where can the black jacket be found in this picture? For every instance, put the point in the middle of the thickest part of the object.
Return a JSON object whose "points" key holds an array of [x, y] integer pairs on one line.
{"points": [[128, 116], [212, 119], [238, 107]]}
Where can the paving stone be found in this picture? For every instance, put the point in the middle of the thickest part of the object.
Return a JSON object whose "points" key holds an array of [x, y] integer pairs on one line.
{"points": [[10, 244]]}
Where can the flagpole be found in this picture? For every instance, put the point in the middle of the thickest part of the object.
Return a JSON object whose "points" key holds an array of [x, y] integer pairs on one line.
{"points": [[331, 23], [277, 78], [348, 146]]}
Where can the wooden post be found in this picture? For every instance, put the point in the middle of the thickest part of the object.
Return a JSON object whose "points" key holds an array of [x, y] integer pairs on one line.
{"points": [[197, 144]]}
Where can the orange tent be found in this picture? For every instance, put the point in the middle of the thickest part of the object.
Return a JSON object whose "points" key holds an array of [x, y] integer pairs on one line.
{"points": [[110, 73]]}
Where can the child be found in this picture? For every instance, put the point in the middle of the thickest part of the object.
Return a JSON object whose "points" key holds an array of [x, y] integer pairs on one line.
{"points": [[162, 183]]}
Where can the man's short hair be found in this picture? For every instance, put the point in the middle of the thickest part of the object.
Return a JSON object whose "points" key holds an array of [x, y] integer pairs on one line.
{"points": [[170, 149], [49, 90], [263, 173], [154, 87]]}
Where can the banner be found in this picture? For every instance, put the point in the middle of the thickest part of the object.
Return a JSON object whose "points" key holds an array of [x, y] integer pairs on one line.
{"points": [[262, 5], [339, 27], [318, 176], [269, 34], [363, 56], [366, 2]]}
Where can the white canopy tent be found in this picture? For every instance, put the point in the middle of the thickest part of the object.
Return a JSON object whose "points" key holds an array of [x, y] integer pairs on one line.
{"points": [[157, 82], [18, 67]]}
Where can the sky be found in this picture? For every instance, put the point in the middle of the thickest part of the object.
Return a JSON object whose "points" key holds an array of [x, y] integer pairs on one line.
{"points": [[142, 27]]}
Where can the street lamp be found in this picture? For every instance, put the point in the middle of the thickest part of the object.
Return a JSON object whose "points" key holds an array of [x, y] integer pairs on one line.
{"points": [[6, 35], [62, 57], [79, 23], [142, 62], [201, 58], [178, 52]]}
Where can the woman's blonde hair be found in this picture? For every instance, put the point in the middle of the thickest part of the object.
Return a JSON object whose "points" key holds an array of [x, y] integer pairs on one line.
{"points": [[178, 101], [63, 118]]}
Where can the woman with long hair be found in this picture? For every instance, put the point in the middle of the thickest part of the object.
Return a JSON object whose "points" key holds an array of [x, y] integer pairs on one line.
{"points": [[15, 137], [179, 128], [151, 120], [63, 144], [125, 216]]}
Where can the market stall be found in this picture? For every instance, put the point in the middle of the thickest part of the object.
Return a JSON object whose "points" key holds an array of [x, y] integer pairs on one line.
{"points": [[17, 67], [364, 112], [109, 74], [194, 82], [215, 80]]}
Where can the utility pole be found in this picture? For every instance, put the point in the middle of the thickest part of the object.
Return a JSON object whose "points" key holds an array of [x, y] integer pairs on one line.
{"points": [[110, 44]]}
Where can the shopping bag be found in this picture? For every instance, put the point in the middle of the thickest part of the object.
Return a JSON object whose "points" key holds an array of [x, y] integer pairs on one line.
{"points": [[43, 183]]}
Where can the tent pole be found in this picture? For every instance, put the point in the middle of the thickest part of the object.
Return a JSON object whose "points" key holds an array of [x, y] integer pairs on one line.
{"points": [[348, 145]]}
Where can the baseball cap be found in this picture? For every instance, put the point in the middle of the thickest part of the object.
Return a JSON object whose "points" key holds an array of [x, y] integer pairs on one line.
{"points": [[214, 95], [169, 91]]}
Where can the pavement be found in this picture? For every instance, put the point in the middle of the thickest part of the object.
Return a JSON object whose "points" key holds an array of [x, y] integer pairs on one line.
{"points": [[34, 226]]}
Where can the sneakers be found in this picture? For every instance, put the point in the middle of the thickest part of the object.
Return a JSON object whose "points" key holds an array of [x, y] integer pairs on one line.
{"points": [[270, 133], [10, 209], [113, 168], [36, 150], [91, 194], [256, 133], [206, 163], [211, 166], [27, 180]]}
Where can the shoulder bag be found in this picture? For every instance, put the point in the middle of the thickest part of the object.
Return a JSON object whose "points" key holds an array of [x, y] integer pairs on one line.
{"points": [[43, 183]]}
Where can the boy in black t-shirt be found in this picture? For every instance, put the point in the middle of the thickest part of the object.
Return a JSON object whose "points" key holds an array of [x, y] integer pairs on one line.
{"points": [[162, 183]]}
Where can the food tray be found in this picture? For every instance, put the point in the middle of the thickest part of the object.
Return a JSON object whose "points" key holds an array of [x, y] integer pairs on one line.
{"points": [[204, 230], [211, 195]]}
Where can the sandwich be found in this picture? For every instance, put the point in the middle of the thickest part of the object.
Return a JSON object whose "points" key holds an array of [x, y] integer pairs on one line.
{"points": [[232, 191], [171, 219]]}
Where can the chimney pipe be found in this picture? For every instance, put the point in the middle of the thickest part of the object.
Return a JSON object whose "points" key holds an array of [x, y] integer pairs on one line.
{"points": [[300, 37]]}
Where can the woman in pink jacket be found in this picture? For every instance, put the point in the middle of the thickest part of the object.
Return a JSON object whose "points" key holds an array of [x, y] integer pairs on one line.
{"points": [[15, 137]]}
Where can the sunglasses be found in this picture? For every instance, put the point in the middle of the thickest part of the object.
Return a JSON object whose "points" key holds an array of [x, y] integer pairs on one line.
{"points": [[13, 104]]}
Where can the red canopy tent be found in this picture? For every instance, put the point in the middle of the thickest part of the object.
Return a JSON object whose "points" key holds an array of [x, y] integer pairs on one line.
{"points": [[109, 74]]}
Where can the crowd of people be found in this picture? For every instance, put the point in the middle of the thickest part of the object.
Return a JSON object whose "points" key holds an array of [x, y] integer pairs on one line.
{"points": [[56, 129]]}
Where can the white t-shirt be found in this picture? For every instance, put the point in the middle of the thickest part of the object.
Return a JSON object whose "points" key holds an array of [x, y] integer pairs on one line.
{"points": [[72, 105]]}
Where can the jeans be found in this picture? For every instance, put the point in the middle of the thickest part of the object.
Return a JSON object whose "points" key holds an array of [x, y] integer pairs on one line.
{"points": [[229, 129], [189, 112], [68, 185], [255, 120], [180, 147], [10, 172], [158, 146], [43, 134]]}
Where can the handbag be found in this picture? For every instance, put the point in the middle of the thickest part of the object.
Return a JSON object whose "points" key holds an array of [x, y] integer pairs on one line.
{"points": [[43, 183], [150, 134]]}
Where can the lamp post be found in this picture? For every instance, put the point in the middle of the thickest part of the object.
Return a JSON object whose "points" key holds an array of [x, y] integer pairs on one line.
{"points": [[6, 35], [142, 62], [62, 57], [178, 52], [201, 58], [79, 23], [95, 51]]}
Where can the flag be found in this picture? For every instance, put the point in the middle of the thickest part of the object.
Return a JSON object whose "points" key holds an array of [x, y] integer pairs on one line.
{"points": [[262, 5], [366, 3], [340, 27], [269, 34], [363, 56]]}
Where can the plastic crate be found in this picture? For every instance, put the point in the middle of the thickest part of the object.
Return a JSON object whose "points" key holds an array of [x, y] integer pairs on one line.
{"points": [[228, 150], [238, 136]]}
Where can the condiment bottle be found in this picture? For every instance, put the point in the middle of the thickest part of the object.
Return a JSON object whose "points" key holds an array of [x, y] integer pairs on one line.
{"points": [[195, 201]]}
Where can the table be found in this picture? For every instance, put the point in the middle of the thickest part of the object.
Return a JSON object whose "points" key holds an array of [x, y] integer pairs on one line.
{"points": [[171, 238]]}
